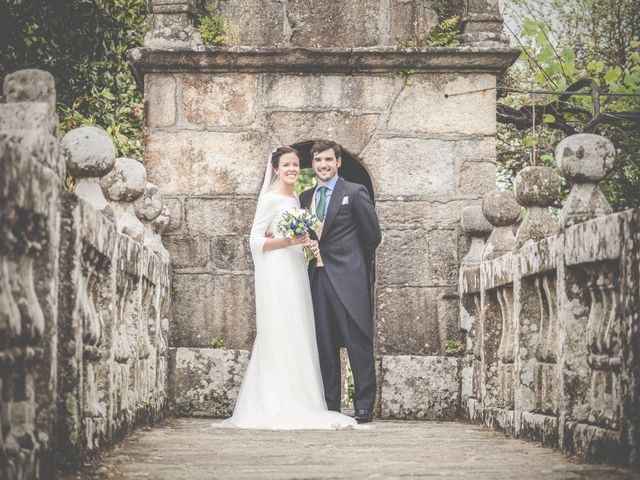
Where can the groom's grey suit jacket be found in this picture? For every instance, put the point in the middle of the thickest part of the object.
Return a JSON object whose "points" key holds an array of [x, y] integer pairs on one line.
{"points": [[350, 235]]}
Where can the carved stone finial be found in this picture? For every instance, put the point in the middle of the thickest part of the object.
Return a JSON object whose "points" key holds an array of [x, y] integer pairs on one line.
{"points": [[30, 85], [584, 160], [501, 210], [536, 188], [126, 181], [475, 225], [150, 204], [171, 24], [91, 152]]}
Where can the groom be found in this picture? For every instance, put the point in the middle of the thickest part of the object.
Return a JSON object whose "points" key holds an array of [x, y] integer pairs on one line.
{"points": [[340, 288]]}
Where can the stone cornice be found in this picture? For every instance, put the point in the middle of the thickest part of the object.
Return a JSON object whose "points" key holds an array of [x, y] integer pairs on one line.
{"points": [[321, 60]]}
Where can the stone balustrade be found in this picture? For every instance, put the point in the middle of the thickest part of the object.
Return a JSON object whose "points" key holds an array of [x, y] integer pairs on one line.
{"points": [[552, 316], [84, 288]]}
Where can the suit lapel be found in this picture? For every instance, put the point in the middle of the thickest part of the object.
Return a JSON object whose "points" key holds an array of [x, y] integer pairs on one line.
{"points": [[305, 198], [334, 205]]}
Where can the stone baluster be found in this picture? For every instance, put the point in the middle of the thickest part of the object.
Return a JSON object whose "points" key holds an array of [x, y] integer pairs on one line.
{"points": [[482, 23], [90, 155], [171, 24], [536, 188], [584, 160], [475, 225], [125, 183], [501, 210]]}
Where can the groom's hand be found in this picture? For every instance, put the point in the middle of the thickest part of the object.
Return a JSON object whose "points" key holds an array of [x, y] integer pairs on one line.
{"points": [[315, 249]]}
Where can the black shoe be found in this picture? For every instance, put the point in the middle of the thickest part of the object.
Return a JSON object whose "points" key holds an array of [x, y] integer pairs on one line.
{"points": [[363, 415]]}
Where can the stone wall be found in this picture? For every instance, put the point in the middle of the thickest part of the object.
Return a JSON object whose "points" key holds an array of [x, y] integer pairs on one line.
{"points": [[551, 319], [84, 288], [419, 122]]}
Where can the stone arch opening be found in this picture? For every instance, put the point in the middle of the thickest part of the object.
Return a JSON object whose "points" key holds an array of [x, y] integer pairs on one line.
{"points": [[351, 170]]}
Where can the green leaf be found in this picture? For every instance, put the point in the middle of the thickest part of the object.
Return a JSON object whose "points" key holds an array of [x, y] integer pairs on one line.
{"points": [[527, 142], [548, 118]]}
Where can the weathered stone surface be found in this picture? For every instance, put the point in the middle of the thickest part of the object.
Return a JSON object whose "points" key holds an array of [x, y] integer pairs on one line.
{"points": [[420, 388], [91, 152], [205, 382], [126, 181], [322, 92], [407, 321], [476, 178], [410, 20], [160, 100], [187, 250], [170, 25], [205, 306], [418, 214], [161, 222], [351, 24], [422, 107], [150, 204], [30, 85], [231, 252], [255, 22], [418, 167], [585, 157], [175, 207], [219, 216], [220, 100], [201, 163], [403, 258], [352, 131], [443, 257], [473, 221], [536, 188]]}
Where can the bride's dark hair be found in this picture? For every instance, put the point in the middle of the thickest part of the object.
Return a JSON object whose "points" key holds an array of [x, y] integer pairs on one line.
{"points": [[278, 152]]}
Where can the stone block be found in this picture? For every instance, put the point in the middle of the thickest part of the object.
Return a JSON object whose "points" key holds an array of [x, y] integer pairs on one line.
{"points": [[419, 388], [231, 252], [442, 257], [205, 306], [187, 250], [407, 321], [160, 100], [416, 167], [352, 131], [204, 163], [255, 22], [476, 178], [342, 92], [333, 23], [410, 20], [419, 214], [403, 258], [205, 382], [423, 108], [220, 100], [219, 216]]}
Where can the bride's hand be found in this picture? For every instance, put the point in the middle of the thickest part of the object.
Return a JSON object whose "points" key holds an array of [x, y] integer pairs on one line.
{"points": [[300, 240]]}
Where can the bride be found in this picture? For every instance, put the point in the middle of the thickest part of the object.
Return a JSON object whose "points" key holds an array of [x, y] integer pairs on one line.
{"points": [[282, 388]]}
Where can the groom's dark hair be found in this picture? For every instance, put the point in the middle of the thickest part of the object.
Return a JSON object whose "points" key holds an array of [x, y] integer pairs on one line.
{"points": [[322, 145]]}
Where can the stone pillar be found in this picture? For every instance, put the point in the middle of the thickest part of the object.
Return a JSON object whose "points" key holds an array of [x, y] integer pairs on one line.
{"points": [[171, 24], [536, 188], [482, 23], [584, 160], [501, 210]]}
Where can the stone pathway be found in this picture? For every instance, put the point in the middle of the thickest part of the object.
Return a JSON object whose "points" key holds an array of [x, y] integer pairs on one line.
{"points": [[189, 449]]}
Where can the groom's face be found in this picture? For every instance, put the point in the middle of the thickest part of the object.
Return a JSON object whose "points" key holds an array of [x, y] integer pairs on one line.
{"points": [[326, 165]]}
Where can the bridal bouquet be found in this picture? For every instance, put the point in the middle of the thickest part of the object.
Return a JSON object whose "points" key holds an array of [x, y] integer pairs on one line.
{"points": [[297, 222]]}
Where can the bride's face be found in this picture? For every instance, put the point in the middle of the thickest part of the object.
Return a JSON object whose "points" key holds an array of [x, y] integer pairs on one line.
{"points": [[288, 169]]}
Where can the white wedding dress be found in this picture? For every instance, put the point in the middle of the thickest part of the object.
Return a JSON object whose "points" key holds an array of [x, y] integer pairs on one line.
{"points": [[282, 388]]}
